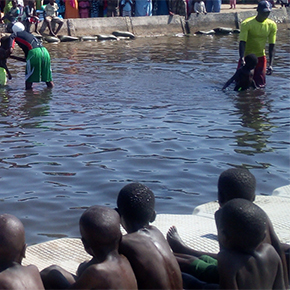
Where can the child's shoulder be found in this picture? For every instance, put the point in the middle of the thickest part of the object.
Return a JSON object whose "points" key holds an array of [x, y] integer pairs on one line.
{"points": [[266, 251], [147, 235]]}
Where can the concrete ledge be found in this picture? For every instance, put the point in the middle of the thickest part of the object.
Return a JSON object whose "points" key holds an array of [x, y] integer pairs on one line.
{"points": [[165, 25]]}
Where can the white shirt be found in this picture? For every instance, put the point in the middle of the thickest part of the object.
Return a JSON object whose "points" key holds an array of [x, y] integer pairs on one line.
{"points": [[199, 7]]}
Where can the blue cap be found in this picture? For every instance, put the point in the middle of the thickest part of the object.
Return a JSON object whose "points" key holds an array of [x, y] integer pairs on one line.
{"points": [[264, 6]]}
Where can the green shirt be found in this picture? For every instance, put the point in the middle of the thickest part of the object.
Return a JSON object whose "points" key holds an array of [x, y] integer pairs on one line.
{"points": [[256, 34]]}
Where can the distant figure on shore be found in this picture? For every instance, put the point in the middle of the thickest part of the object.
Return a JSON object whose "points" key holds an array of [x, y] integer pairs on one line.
{"points": [[97, 8], [255, 32], [126, 7], [112, 9], [160, 7], [199, 7], [233, 4], [30, 17], [243, 77], [51, 18], [177, 7], [213, 5], [11, 16], [13, 275], [143, 7], [148, 252], [71, 9], [84, 8], [101, 235]]}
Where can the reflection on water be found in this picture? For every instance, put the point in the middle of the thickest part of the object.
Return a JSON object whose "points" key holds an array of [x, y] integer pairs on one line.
{"points": [[148, 110], [254, 110]]}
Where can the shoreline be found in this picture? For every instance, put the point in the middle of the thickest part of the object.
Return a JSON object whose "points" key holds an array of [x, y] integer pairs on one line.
{"points": [[170, 25], [166, 25]]}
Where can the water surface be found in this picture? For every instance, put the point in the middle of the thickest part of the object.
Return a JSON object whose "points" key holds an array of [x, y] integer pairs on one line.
{"points": [[149, 110]]}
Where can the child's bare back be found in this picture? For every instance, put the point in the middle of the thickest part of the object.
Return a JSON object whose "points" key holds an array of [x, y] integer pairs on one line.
{"points": [[19, 277], [113, 273], [13, 275], [251, 271], [245, 261], [146, 247], [101, 235]]}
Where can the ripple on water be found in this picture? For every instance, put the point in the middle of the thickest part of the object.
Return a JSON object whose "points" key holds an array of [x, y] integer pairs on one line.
{"points": [[148, 110]]}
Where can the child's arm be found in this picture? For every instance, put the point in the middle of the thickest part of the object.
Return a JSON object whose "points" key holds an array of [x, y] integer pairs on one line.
{"points": [[55, 277], [275, 242], [203, 8], [254, 85], [7, 71], [229, 81], [18, 58], [226, 271]]}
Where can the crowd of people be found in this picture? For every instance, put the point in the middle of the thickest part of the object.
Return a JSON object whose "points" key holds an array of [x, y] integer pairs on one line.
{"points": [[27, 10], [250, 257], [251, 71]]}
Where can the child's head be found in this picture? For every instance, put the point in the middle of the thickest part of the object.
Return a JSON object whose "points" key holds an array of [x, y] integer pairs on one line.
{"points": [[136, 204], [12, 239], [100, 230], [236, 183], [251, 61], [14, 3], [51, 2], [241, 225]]}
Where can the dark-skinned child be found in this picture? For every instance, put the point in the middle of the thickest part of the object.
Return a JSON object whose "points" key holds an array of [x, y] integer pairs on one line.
{"points": [[244, 76], [13, 275], [232, 183], [101, 235], [147, 250]]}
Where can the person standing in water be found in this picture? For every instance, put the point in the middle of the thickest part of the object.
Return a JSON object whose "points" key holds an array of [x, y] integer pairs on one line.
{"points": [[36, 56], [255, 32]]}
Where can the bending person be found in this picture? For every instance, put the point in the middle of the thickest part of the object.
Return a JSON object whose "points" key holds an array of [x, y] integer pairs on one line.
{"points": [[36, 56]]}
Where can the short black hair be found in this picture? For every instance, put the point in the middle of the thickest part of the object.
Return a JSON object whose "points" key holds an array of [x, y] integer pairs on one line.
{"points": [[236, 183], [136, 202], [244, 223], [251, 61], [102, 224]]}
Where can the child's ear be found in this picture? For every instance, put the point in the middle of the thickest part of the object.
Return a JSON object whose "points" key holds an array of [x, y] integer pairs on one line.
{"points": [[87, 247], [23, 251], [118, 211], [153, 217]]}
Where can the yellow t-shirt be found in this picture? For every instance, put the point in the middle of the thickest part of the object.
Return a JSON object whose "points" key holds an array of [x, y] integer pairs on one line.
{"points": [[256, 34]]}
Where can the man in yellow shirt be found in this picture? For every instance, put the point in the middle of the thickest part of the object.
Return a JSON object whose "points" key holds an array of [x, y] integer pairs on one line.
{"points": [[255, 32]]}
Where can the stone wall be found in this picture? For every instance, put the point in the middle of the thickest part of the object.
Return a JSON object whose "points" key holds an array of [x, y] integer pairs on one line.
{"points": [[164, 25]]}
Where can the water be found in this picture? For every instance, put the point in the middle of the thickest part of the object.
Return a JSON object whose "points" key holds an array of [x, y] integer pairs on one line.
{"points": [[149, 110]]}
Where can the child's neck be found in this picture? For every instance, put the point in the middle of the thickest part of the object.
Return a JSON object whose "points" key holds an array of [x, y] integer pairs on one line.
{"points": [[6, 265], [106, 254]]}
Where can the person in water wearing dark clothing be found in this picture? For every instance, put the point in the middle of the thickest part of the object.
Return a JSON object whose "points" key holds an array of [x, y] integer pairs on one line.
{"points": [[3, 60], [244, 76], [36, 56]]}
